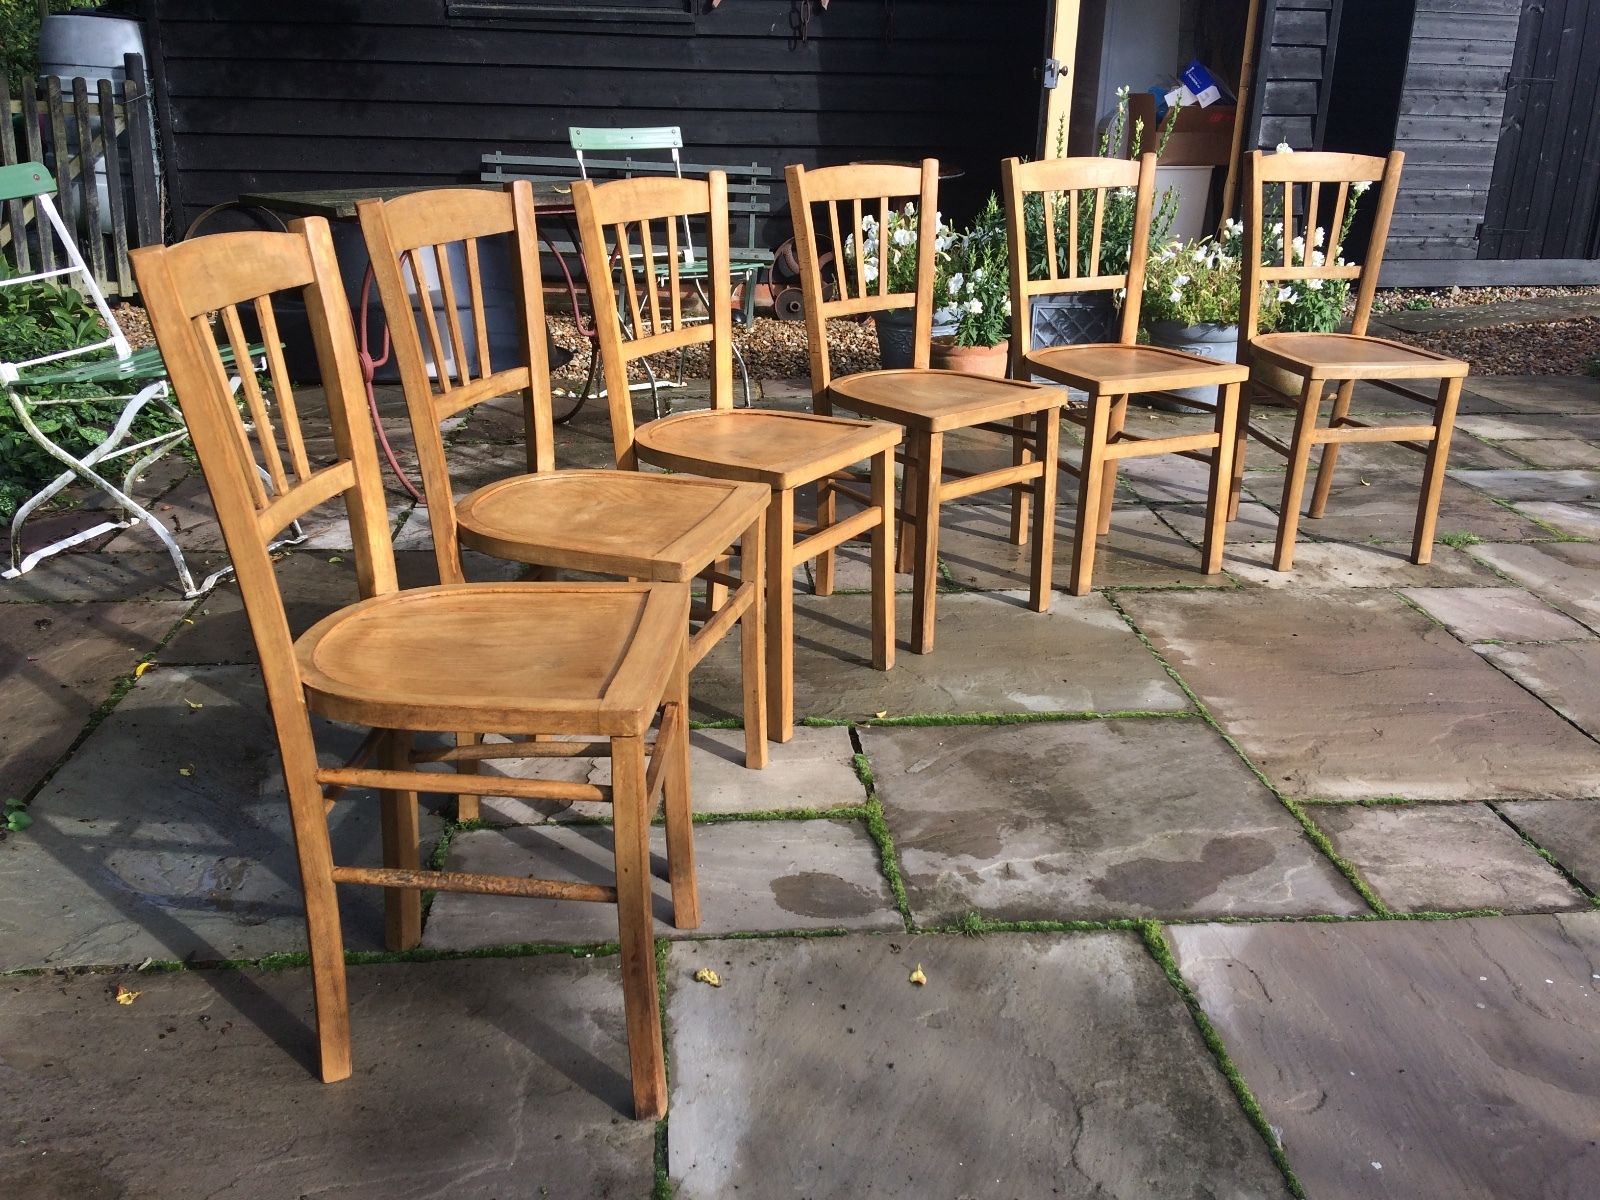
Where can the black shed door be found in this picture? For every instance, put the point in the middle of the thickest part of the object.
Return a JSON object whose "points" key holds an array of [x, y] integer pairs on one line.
{"points": [[1544, 201]]}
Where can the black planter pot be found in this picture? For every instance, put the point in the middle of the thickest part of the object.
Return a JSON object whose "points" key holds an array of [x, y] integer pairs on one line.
{"points": [[1074, 318]]}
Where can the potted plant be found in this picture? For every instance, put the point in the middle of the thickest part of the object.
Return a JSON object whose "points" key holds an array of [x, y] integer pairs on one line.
{"points": [[1191, 300], [973, 290], [1068, 318], [896, 326]]}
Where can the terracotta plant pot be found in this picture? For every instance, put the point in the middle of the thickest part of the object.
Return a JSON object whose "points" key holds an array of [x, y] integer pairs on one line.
{"points": [[973, 360]]}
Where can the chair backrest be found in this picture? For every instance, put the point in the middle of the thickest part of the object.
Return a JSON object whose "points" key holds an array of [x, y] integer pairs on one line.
{"points": [[432, 255], [862, 206], [1271, 253], [613, 219], [629, 138], [185, 287], [30, 181], [1056, 211]]}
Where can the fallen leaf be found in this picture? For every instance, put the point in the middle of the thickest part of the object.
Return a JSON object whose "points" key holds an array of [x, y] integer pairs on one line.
{"points": [[707, 975], [126, 995], [881, 715], [918, 978], [336, 559], [188, 620], [193, 703], [140, 669], [1364, 483], [185, 770]]}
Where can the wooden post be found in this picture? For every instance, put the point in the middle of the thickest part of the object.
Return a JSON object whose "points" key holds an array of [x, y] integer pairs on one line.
{"points": [[114, 193], [142, 151], [1241, 110], [1063, 47], [17, 230]]}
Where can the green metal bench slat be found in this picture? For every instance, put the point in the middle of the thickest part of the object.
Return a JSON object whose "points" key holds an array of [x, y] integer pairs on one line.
{"points": [[142, 366]]}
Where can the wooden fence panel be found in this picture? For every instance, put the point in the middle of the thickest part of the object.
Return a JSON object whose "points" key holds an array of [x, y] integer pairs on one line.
{"points": [[80, 128]]}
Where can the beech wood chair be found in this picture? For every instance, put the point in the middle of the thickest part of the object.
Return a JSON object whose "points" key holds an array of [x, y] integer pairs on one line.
{"points": [[1342, 358], [666, 528], [929, 404], [785, 451], [524, 659], [1109, 372]]}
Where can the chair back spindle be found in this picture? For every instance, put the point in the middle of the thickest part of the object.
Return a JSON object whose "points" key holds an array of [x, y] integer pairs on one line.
{"points": [[428, 253], [621, 224]]}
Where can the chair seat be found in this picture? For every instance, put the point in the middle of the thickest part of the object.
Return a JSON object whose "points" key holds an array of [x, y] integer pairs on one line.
{"points": [[588, 658], [660, 527], [1111, 368], [781, 449], [936, 401], [1347, 356]]}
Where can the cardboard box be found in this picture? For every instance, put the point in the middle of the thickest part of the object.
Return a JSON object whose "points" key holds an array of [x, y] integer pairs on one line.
{"points": [[1203, 137]]}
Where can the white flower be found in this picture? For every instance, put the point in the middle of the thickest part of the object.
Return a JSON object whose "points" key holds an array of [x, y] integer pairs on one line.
{"points": [[1285, 295], [956, 281], [1277, 228], [1318, 258], [869, 271], [1320, 237], [1122, 294], [942, 243], [1180, 281], [1199, 254], [1006, 307], [868, 223], [977, 274], [910, 210], [1284, 148], [974, 306], [1360, 188], [1124, 91], [1124, 193], [903, 236], [1314, 284], [1177, 296]]}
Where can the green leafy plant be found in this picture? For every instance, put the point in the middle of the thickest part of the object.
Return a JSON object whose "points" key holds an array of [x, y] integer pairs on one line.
{"points": [[1305, 305], [972, 287], [899, 233], [15, 817], [1196, 283], [38, 319], [19, 34]]}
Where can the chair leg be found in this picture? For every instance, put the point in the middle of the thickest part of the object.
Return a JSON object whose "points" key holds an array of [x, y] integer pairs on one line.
{"points": [[1433, 472], [636, 928], [883, 562], [323, 933], [910, 493], [1241, 443], [1108, 479], [1222, 472], [1330, 452], [753, 644], [925, 583], [1047, 425], [402, 907], [1091, 477], [1294, 481], [780, 616], [467, 807], [827, 514], [676, 803], [1021, 493]]}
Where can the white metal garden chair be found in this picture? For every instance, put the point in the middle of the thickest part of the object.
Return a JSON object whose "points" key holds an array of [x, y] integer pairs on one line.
{"points": [[28, 383]]}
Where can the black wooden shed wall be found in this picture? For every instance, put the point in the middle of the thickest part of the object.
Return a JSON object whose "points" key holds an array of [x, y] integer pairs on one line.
{"points": [[291, 94], [1299, 39]]}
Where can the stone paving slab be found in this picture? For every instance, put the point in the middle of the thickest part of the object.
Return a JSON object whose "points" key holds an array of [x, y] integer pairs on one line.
{"points": [[472, 1079], [1445, 858], [1568, 829], [1567, 487], [92, 574], [994, 655], [1563, 677], [1573, 520], [1556, 453], [1255, 522], [1367, 458], [1027, 1067], [755, 877], [1537, 393], [1324, 566], [129, 858], [1359, 696], [1506, 428], [1491, 614], [1140, 551], [1384, 509], [1415, 1059], [58, 663], [1566, 574], [1092, 820]]}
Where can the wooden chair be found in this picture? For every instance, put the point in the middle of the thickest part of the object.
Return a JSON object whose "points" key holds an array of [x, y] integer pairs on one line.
{"points": [[1342, 358], [525, 659], [1109, 372], [929, 404], [667, 528], [785, 451]]}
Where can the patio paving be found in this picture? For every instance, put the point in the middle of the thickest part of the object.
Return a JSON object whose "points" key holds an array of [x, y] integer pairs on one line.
{"points": [[204, 1085], [1445, 858], [1028, 1066], [1047, 769], [1092, 820], [1418, 1059], [1357, 696]]}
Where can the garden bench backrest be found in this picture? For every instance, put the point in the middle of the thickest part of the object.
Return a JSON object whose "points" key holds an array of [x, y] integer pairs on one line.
{"points": [[30, 181]]}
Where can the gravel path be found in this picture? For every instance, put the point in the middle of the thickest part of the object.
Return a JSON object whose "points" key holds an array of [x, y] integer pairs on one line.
{"points": [[1545, 348]]}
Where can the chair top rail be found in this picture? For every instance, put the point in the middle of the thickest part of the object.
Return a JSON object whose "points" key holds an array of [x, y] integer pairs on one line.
{"points": [[497, 157]]}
